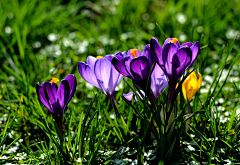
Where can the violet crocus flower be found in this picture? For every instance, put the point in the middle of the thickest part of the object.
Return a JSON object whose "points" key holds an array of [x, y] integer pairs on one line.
{"points": [[55, 98], [101, 73], [174, 59], [158, 84], [137, 66], [134, 65]]}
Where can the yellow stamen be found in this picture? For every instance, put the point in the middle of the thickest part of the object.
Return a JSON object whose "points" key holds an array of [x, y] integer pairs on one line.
{"points": [[54, 80], [174, 40], [99, 57], [134, 52]]}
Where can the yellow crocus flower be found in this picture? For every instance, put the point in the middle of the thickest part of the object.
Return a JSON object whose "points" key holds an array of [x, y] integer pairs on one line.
{"points": [[191, 85]]}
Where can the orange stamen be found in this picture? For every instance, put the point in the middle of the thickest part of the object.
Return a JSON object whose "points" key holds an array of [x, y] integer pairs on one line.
{"points": [[54, 80], [134, 52], [174, 40]]}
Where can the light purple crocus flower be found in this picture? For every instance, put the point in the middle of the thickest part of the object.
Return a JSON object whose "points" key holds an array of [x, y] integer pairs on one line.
{"points": [[101, 73], [55, 98], [174, 59]]}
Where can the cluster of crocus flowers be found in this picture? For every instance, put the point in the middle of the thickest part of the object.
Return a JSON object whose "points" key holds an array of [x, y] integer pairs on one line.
{"points": [[55, 98], [171, 61], [191, 85], [174, 59]]}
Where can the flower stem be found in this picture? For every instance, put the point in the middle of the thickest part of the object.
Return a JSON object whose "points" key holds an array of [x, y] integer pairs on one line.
{"points": [[116, 110], [59, 123]]}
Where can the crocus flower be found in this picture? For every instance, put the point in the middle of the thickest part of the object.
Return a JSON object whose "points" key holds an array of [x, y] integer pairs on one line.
{"points": [[158, 84], [55, 98], [101, 73], [191, 85], [134, 65], [174, 59]]}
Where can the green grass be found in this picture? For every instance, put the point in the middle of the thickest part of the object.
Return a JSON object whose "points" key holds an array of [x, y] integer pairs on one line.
{"points": [[44, 39]]}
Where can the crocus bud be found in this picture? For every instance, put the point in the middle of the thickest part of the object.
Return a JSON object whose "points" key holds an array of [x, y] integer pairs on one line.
{"points": [[191, 85]]}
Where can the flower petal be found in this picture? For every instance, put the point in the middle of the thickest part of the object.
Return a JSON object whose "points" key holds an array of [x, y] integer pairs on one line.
{"points": [[156, 51], [168, 41], [168, 53], [120, 67], [158, 81], [50, 91], [63, 95], [42, 98], [109, 57], [103, 72], [195, 51], [88, 74], [72, 82], [140, 69], [146, 53], [188, 44], [128, 96], [91, 61]]}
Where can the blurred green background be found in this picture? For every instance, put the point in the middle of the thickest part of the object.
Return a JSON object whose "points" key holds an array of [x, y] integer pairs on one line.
{"points": [[44, 39]]}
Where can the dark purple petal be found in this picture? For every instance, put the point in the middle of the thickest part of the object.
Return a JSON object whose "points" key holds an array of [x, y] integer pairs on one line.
{"points": [[119, 56], [195, 51], [126, 61], [103, 72], [156, 51], [158, 81], [88, 74], [140, 69], [169, 51], [50, 91], [42, 98], [180, 62], [72, 82], [63, 95], [120, 67], [91, 61]]}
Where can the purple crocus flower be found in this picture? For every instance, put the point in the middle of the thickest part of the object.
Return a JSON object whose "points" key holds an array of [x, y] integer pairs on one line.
{"points": [[101, 73], [174, 59], [137, 66], [134, 65], [158, 84], [55, 98]]}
